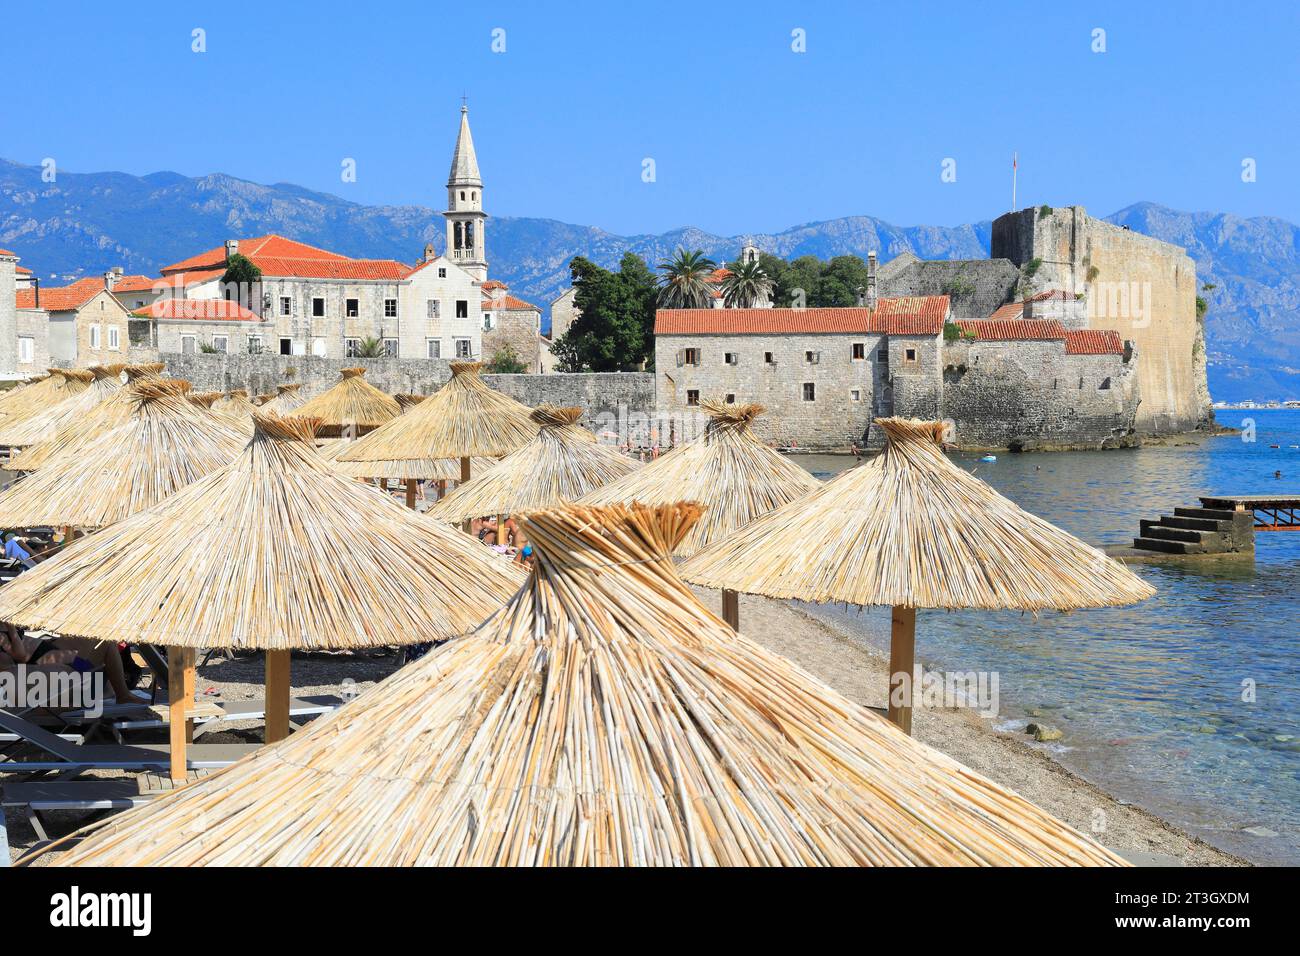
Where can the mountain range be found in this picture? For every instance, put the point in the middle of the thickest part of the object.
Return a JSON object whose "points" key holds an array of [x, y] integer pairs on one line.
{"points": [[85, 223]]}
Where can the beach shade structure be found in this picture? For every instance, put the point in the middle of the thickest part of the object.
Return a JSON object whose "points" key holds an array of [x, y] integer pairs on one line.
{"points": [[603, 717], [285, 400], [163, 444], [88, 423], [205, 399], [42, 423], [464, 419], [440, 470], [559, 465], [909, 529], [351, 407], [728, 469], [272, 552], [60, 384], [406, 401]]}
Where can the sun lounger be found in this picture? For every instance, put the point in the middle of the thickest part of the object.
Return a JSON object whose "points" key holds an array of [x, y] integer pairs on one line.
{"points": [[56, 755], [40, 796], [120, 717]]}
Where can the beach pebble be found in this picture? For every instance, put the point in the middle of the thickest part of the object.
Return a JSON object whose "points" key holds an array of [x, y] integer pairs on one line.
{"points": [[1042, 732], [1207, 729], [1259, 831]]}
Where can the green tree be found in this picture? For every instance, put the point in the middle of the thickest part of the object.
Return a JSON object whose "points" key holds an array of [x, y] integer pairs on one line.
{"points": [[241, 274], [684, 280], [506, 362], [370, 347], [812, 283], [614, 330], [745, 286]]}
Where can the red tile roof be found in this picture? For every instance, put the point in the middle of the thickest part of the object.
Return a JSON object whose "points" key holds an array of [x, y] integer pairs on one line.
{"points": [[197, 310], [332, 268], [917, 315], [1021, 330], [1049, 294], [135, 283], [63, 298], [1094, 342], [278, 256], [6, 252], [1008, 312], [269, 245], [509, 303], [22, 270], [494, 284]]}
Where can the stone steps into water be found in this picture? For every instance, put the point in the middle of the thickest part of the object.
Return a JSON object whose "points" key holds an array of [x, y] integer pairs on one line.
{"points": [[1197, 531]]}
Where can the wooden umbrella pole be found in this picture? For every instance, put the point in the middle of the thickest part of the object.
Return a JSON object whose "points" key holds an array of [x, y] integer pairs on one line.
{"points": [[177, 705], [501, 529], [277, 695], [902, 663], [410, 492], [464, 477], [731, 608], [442, 488], [190, 655]]}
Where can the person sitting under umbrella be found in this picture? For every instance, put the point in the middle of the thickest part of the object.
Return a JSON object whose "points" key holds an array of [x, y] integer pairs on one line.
{"points": [[70, 653]]}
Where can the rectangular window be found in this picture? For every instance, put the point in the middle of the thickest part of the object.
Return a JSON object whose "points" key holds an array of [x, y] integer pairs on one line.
{"points": [[731, 398], [352, 347], [318, 347], [442, 272], [809, 392], [883, 355], [909, 355], [859, 351], [352, 308], [463, 349], [390, 348], [462, 308], [812, 358], [769, 358], [114, 338], [731, 358], [94, 336], [855, 395], [390, 308], [26, 349], [317, 307], [187, 345], [692, 357], [692, 396], [286, 346], [221, 343], [254, 345], [433, 347], [286, 308], [434, 308], [487, 321]]}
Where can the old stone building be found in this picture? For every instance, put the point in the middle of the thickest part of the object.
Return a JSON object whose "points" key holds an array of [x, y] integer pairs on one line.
{"points": [[511, 324], [190, 326], [84, 324], [441, 306]]}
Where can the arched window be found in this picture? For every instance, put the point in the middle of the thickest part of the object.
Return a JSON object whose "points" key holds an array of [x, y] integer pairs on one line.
{"points": [[474, 195], [469, 235], [460, 241], [462, 195]]}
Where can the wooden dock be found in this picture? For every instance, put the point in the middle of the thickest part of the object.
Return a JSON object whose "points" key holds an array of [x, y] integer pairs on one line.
{"points": [[1269, 512]]}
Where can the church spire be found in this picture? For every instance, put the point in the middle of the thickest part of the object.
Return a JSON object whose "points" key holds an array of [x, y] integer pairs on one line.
{"points": [[464, 164], [466, 220]]}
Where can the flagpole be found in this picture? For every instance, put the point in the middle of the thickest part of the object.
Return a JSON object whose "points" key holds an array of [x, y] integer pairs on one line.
{"points": [[1014, 165]]}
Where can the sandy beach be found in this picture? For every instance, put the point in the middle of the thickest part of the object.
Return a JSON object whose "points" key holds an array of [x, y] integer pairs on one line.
{"points": [[832, 656]]}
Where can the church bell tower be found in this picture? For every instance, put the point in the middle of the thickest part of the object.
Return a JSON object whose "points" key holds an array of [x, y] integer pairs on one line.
{"points": [[466, 237]]}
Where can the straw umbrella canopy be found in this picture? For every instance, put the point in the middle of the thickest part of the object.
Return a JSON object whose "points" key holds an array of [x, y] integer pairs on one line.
{"points": [[728, 470], [273, 551], [205, 399], [352, 405], [463, 419], [61, 383], [44, 422], [285, 400], [440, 469], [560, 465], [910, 529], [603, 717], [164, 444], [88, 423]]}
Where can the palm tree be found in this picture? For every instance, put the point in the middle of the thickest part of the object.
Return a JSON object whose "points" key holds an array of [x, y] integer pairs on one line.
{"points": [[746, 286], [684, 282], [370, 347]]}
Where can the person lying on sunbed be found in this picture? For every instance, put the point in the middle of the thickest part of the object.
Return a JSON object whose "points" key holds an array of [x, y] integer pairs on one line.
{"points": [[67, 653]]}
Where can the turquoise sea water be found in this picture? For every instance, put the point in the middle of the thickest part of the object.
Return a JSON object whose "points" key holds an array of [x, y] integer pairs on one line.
{"points": [[1151, 697]]}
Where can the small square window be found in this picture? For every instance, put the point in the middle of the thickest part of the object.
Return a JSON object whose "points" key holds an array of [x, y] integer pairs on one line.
{"points": [[433, 348], [221, 343], [909, 355], [769, 358], [882, 355], [390, 348], [859, 351], [317, 307], [811, 357], [442, 273], [352, 347], [692, 357], [463, 349], [731, 358], [286, 346], [353, 308], [692, 396], [390, 308], [433, 307], [286, 305], [731, 398], [855, 395], [254, 345], [809, 392]]}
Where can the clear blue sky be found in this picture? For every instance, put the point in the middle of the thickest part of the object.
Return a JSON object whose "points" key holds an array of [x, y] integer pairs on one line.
{"points": [[747, 136]]}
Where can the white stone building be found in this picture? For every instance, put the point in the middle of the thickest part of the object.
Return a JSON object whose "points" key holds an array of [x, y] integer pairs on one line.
{"points": [[441, 305]]}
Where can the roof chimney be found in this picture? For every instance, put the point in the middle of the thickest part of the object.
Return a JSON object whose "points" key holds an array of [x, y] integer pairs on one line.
{"points": [[429, 254], [232, 249], [110, 278], [872, 296]]}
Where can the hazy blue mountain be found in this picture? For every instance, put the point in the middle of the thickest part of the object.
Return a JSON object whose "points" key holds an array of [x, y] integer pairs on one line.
{"points": [[84, 223]]}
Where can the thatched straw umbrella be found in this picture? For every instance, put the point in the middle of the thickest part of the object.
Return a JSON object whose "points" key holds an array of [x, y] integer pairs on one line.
{"points": [[44, 422], [352, 407], [406, 401], [728, 470], [463, 419], [560, 465], [910, 529], [272, 552], [60, 384], [603, 717], [205, 399], [89, 423], [285, 400], [441, 470]]}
